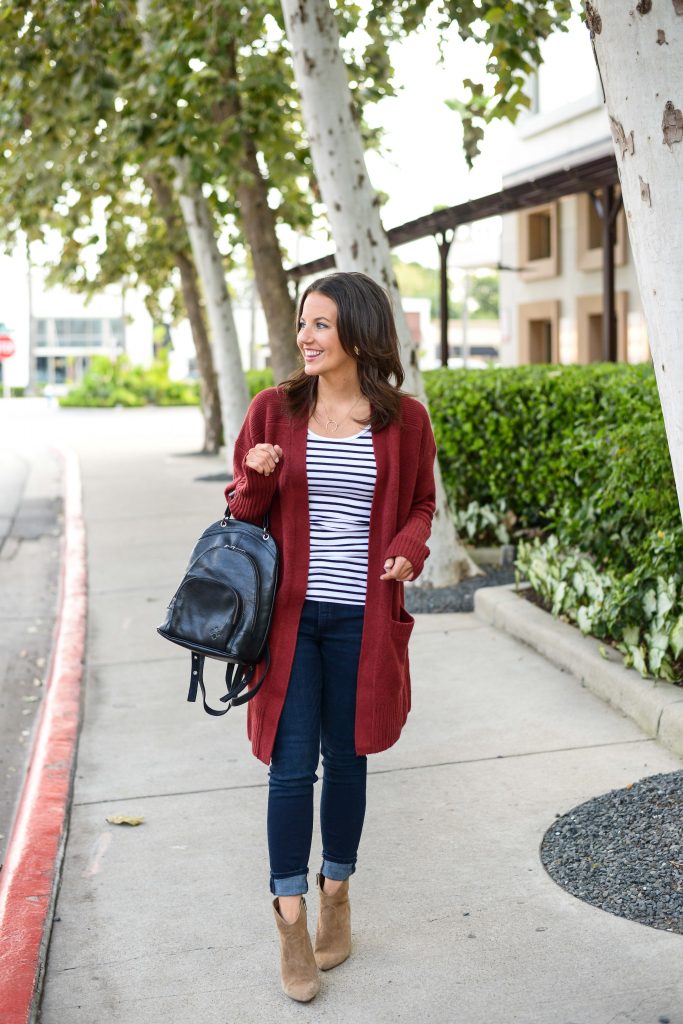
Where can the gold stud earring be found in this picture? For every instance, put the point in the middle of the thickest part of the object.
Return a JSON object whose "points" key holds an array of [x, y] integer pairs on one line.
{"points": [[356, 350]]}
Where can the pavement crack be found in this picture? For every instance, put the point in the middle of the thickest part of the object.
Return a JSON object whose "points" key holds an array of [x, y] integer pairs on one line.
{"points": [[509, 757], [96, 965], [171, 658], [377, 771]]}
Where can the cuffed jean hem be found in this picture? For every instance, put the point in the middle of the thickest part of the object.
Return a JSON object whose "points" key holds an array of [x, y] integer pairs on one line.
{"points": [[294, 885], [336, 872]]}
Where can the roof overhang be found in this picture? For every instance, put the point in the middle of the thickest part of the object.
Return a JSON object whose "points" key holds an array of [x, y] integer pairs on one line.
{"points": [[578, 171]]}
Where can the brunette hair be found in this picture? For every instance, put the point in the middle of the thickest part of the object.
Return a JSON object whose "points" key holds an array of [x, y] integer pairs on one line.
{"points": [[367, 332]]}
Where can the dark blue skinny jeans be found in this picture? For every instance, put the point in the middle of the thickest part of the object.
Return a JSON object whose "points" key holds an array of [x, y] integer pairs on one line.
{"points": [[318, 716]]}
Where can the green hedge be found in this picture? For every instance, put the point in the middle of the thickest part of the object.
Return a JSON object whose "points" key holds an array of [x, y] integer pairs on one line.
{"points": [[579, 451], [258, 380], [106, 384], [575, 457]]}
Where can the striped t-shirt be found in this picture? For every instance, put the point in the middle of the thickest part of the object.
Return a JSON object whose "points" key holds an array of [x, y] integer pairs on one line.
{"points": [[341, 482]]}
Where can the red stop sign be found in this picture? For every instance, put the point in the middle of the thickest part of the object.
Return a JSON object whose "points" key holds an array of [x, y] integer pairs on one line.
{"points": [[6, 346]]}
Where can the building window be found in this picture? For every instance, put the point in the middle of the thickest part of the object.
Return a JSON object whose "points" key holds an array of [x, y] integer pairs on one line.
{"points": [[42, 337], [539, 242], [116, 329], [539, 332], [589, 234], [539, 227], [85, 333], [589, 328]]}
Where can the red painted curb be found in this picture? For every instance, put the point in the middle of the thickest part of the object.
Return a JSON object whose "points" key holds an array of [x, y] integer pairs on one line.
{"points": [[30, 875]]}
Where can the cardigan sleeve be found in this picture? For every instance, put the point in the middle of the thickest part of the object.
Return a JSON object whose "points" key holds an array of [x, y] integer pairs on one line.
{"points": [[250, 493], [410, 541]]}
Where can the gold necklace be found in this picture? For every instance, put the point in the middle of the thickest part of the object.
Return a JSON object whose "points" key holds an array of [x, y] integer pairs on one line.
{"points": [[334, 425]]}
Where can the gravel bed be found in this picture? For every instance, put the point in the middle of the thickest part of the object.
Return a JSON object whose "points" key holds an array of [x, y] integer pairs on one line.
{"points": [[623, 852], [455, 599]]}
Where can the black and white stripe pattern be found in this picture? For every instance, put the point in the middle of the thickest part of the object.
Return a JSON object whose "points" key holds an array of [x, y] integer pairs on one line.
{"points": [[341, 484]]}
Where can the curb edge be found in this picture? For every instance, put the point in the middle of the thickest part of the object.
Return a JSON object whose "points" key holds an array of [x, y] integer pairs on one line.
{"points": [[657, 708], [29, 880]]}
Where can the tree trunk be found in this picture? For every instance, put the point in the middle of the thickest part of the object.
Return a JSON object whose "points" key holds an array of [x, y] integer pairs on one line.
{"points": [[232, 384], [639, 51], [258, 224], [208, 383], [353, 211]]}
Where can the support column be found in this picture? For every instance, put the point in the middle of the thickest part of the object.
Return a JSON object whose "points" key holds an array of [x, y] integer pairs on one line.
{"points": [[443, 240], [607, 207]]}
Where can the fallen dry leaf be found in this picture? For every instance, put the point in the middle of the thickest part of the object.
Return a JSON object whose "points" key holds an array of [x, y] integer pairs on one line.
{"points": [[122, 819]]}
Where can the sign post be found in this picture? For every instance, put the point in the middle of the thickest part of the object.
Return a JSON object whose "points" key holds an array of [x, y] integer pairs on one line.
{"points": [[6, 352]]}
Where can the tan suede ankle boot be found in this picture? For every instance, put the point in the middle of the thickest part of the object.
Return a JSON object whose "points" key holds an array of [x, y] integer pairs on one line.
{"points": [[333, 935], [300, 978]]}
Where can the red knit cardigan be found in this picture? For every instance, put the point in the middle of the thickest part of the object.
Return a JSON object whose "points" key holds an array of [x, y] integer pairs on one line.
{"points": [[400, 523]]}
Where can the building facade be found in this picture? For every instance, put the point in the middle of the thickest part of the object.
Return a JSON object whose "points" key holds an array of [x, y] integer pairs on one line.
{"points": [[57, 332], [552, 255]]}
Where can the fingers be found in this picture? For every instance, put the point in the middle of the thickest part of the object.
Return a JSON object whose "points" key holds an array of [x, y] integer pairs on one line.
{"points": [[398, 568], [264, 458]]}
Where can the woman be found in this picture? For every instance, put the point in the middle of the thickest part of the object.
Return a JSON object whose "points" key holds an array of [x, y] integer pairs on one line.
{"points": [[343, 462]]}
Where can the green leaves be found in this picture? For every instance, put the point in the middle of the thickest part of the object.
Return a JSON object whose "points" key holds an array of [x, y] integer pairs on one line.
{"points": [[639, 612], [580, 454], [580, 451], [107, 384], [512, 33]]}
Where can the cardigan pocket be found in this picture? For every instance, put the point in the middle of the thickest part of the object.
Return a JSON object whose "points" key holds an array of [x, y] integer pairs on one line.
{"points": [[399, 632]]}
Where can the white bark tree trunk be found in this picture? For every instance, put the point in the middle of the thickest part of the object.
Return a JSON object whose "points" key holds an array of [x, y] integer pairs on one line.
{"points": [[639, 50], [232, 384], [353, 211]]}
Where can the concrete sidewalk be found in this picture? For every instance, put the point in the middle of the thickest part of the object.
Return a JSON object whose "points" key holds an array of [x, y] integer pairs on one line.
{"points": [[455, 919]]}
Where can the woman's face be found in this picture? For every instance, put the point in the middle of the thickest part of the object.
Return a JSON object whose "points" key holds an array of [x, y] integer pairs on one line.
{"points": [[318, 340]]}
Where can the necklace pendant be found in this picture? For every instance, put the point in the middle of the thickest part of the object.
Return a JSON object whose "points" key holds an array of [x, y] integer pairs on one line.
{"points": [[332, 425]]}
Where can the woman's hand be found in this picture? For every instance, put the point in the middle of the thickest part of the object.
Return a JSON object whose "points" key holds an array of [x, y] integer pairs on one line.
{"points": [[398, 568], [263, 458]]}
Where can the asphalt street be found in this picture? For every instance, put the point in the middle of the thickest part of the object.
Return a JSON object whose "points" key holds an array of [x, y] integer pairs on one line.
{"points": [[30, 508]]}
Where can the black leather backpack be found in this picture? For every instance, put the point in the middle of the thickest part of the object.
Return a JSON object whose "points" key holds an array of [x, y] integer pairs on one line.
{"points": [[223, 606]]}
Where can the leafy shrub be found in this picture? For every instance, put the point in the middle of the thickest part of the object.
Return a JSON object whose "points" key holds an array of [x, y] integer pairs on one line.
{"points": [[107, 384], [579, 451], [521, 430], [578, 454], [258, 380], [476, 523]]}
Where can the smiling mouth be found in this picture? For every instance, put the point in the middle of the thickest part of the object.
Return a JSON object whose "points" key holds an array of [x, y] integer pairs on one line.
{"points": [[312, 353]]}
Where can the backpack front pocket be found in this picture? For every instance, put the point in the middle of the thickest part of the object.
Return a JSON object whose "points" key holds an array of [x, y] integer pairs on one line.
{"points": [[205, 612]]}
